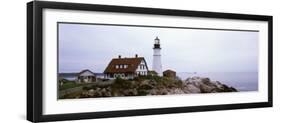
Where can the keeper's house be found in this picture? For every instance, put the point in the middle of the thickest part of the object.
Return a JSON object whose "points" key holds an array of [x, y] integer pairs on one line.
{"points": [[126, 68]]}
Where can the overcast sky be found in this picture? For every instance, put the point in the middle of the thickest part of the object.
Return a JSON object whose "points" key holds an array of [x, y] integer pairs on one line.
{"points": [[183, 50]]}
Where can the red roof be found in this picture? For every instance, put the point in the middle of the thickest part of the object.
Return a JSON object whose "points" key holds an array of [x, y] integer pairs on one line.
{"points": [[132, 63]]}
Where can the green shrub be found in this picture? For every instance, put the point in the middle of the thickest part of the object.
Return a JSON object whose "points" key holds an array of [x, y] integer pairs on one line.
{"points": [[87, 88], [68, 85], [142, 92], [146, 87], [122, 84]]}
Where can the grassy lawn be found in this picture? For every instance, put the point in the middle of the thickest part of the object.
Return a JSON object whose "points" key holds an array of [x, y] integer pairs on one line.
{"points": [[68, 85]]}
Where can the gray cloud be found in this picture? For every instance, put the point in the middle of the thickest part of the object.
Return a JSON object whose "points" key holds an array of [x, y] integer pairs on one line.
{"points": [[184, 50]]}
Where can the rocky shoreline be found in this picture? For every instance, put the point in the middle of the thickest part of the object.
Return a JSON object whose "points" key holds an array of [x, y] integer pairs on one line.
{"points": [[155, 86], [205, 85]]}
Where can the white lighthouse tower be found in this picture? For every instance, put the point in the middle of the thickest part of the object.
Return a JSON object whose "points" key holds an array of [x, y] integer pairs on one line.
{"points": [[157, 65]]}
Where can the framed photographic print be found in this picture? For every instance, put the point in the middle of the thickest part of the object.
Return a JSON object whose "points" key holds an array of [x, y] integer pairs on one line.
{"points": [[96, 61]]}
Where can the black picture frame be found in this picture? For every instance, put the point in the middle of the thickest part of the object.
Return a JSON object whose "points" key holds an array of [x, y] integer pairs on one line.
{"points": [[35, 69]]}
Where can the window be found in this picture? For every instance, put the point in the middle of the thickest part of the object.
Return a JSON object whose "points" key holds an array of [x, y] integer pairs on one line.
{"points": [[121, 66], [125, 66], [141, 66], [117, 66]]}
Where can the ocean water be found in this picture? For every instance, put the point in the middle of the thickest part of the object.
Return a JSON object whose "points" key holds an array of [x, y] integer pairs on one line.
{"points": [[242, 81]]}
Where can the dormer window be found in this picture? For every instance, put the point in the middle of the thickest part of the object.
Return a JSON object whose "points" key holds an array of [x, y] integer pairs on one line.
{"points": [[142, 66]]}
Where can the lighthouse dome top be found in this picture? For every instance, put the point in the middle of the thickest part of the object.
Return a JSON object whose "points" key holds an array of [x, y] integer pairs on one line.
{"points": [[157, 40]]}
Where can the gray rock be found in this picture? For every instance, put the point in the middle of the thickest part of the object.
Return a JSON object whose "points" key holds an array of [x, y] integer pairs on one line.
{"points": [[176, 91], [130, 92], [191, 88], [205, 85]]}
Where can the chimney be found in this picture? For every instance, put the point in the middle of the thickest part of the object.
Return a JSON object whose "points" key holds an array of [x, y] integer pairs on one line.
{"points": [[119, 56], [136, 55]]}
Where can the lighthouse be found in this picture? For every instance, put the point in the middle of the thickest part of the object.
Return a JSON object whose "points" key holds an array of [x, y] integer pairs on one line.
{"points": [[157, 65]]}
